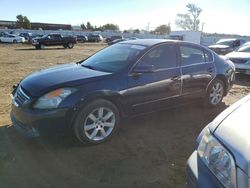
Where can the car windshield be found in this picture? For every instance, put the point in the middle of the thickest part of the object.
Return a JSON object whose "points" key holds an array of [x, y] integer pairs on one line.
{"points": [[113, 58], [225, 42], [244, 48]]}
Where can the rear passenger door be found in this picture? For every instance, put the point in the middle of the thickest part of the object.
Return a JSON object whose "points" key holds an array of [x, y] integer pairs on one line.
{"points": [[197, 69]]}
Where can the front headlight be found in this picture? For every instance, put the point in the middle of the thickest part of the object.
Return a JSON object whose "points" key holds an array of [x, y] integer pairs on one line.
{"points": [[218, 160], [53, 98]]}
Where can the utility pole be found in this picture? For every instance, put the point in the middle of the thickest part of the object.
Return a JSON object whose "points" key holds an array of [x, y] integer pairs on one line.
{"points": [[202, 26]]}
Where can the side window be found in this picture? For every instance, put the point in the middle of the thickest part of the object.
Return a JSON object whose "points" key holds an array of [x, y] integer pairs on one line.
{"points": [[161, 57], [191, 55], [208, 56]]}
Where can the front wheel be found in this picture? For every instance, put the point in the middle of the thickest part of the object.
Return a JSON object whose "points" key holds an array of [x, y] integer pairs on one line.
{"points": [[215, 93], [15, 41], [96, 122]]}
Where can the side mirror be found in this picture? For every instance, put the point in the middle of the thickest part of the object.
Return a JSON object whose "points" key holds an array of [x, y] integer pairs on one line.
{"points": [[143, 68]]}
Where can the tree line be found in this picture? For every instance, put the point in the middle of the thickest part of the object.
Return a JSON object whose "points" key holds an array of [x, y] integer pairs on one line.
{"points": [[186, 21]]}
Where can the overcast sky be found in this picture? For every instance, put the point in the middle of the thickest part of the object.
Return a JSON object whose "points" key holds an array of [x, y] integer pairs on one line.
{"points": [[221, 16]]}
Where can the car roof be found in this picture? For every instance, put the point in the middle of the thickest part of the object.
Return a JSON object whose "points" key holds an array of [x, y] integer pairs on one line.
{"points": [[148, 42]]}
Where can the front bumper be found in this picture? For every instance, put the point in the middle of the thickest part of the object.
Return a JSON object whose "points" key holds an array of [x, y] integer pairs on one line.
{"points": [[30, 122], [243, 68], [198, 175]]}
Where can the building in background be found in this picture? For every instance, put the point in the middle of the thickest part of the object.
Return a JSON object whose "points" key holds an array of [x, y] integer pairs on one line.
{"points": [[35, 25]]}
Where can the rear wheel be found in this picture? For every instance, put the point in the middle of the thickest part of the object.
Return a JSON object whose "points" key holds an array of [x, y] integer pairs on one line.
{"points": [[215, 93], [70, 45], [14, 41], [38, 47], [96, 122]]}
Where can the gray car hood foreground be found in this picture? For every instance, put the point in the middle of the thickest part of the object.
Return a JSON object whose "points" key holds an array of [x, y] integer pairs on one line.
{"points": [[233, 130]]}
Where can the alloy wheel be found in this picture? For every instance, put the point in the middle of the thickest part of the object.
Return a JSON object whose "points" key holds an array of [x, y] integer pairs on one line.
{"points": [[99, 124], [216, 93]]}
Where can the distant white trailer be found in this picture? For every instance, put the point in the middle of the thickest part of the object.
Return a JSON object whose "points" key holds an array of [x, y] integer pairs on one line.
{"points": [[190, 36]]}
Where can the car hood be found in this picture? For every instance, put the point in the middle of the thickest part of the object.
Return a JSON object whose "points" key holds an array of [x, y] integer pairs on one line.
{"points": [[218, 46], [234, 132], [239, 55], [67, 75]]}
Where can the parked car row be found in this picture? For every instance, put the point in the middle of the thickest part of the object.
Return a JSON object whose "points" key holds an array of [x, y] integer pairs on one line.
{"points": [[237, 50], [225, 46]]}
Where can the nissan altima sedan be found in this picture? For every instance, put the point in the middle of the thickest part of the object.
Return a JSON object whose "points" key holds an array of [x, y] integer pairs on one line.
{"points": [[126, 79], [222, 155]]}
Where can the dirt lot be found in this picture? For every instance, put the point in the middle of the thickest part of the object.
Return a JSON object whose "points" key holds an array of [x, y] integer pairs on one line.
{"points": [[149, 151]]}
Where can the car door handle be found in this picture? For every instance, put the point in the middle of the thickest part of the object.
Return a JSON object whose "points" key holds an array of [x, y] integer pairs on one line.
{"points": [[174, 78]]}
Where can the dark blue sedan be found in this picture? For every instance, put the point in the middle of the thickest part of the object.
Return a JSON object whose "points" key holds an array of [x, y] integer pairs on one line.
{"points": [[126, 79]]}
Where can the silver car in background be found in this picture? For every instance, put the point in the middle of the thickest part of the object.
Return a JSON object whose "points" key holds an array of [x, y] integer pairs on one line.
{"points": [[11, 38], [222, 154], [241, 58]]}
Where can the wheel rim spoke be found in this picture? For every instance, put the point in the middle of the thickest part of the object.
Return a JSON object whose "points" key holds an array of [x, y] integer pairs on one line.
{"points": [[104, 134], [108, 115], [92, 117], [89, 127], [93, 134], [100, 112], [106, 124]]}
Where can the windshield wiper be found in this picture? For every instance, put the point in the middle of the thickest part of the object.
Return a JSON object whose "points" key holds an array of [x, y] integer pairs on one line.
{"points": [[89, 67], [81, 61]]}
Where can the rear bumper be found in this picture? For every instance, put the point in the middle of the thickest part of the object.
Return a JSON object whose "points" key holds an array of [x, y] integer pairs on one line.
{"points": [[198, 175], [31, 122]]}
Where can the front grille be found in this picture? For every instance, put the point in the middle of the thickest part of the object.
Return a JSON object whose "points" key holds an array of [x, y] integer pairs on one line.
{"points": [[238, 61], [20, 96]]}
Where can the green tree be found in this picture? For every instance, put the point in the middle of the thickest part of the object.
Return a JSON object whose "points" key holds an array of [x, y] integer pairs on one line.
{"points": [[163, 29], [23, 22], [189, 21], [83, 26], [89, 26], [136, 31], [110, 26]]}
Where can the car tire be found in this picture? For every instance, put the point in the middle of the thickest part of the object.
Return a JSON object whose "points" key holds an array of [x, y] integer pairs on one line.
{"points": [[15, 41], [96, 122], [215, 93], [38, 47], [70, 45]]}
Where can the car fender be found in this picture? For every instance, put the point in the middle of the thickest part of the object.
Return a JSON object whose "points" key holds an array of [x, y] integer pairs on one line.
{"points": [[112, 96]]}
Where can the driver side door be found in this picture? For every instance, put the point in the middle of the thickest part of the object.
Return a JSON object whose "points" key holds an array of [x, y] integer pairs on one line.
{"points": [[154, 89]]}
